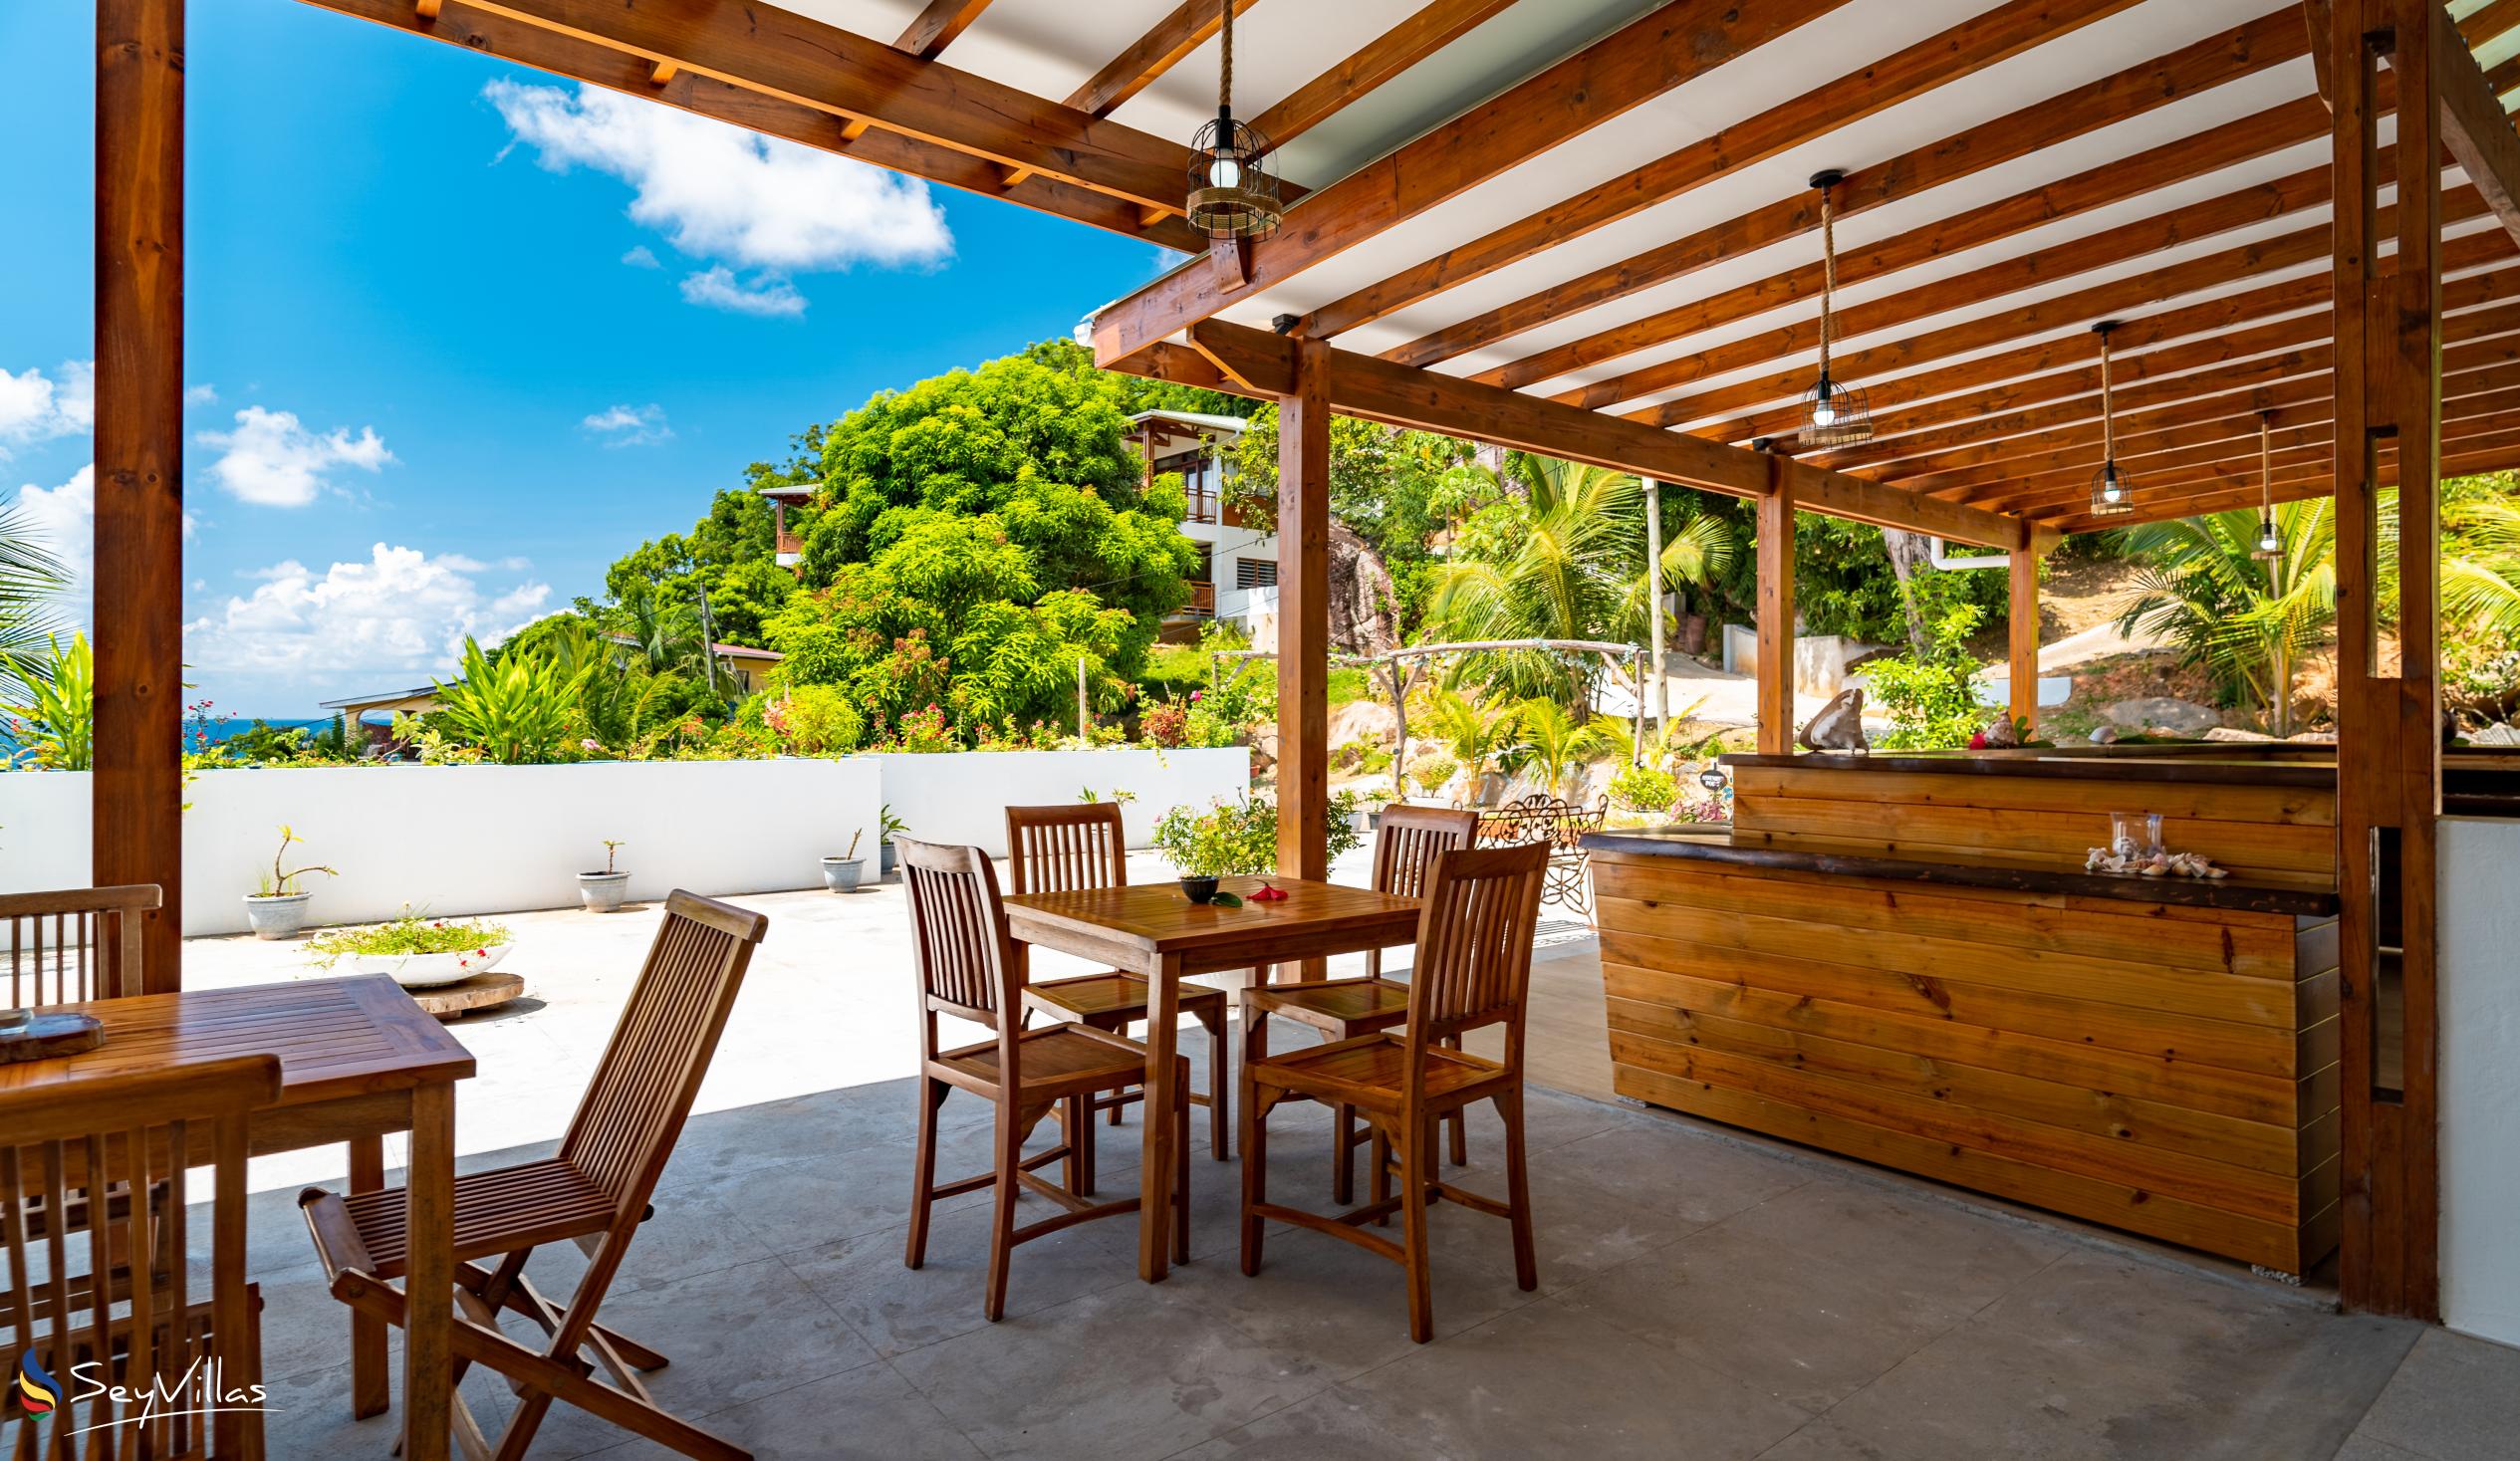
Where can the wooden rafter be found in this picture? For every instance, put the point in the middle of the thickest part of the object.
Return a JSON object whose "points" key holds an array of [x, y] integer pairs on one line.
{"points": [[2097, 187], [1977, 41], [1643, 59], [1254, 361], [1388, 55], [2475, 125], [936, 27], [617, 70], [808, 62], [1192, 25]]}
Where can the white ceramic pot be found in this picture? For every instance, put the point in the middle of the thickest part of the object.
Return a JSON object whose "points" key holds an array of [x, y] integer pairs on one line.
{"points": [[276, 916], [603, 891], [841, 875], [415, 971]]}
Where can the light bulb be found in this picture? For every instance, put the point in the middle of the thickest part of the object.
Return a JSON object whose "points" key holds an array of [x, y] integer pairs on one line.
{"points": [[2267, 539], [1225, 171], [2109, 487], [1822, 413]]}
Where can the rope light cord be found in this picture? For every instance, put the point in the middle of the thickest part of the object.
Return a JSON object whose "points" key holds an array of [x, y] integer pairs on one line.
{"points": [[1225, 66], [2266, 463], [2108, 409], [1827, 272]]}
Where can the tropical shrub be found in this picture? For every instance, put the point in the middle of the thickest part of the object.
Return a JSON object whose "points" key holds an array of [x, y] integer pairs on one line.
{"points": [[1552, 742], [518, 710], [55, 710], [2248, 622], [1240, 838], [925, 732], [1932, 697], [815, 720], [1433, 774], [1644, 789], [413, 933]]}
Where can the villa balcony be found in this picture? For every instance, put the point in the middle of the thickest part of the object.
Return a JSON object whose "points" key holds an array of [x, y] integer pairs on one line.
{"points": [[791, 549]]}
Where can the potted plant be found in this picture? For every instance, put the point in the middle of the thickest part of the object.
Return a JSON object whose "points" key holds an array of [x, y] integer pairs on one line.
{"points": [[603, 891], [416, 950], [277, 906], [889, 827], [841, 873], [1240, 840]]}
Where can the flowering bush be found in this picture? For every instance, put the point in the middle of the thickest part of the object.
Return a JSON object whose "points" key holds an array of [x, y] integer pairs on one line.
{"points": [[1166, 724], [923, 732], [1433, 774], [1715, 809], [1644, 789]]}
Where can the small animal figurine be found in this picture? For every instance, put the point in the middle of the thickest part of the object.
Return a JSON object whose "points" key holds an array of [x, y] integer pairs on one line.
{"points": [[1838, 726]]}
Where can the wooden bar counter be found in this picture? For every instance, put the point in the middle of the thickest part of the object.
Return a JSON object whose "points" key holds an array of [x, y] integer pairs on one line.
{"points": [[1900, 958]]}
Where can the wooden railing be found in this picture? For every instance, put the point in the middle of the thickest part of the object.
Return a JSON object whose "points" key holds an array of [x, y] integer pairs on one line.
{"points": [[791, 543], [1202, 602]]}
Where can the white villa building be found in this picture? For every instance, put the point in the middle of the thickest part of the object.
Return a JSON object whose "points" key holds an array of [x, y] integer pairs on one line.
{"points": [[1238, 578]]}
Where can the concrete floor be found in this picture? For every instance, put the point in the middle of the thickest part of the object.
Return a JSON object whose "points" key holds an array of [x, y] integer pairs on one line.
{"points": [[1701, 1294]]}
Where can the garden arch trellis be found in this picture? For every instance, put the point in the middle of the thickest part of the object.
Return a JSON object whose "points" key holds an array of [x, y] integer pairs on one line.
{"points": [[1399, 681]]}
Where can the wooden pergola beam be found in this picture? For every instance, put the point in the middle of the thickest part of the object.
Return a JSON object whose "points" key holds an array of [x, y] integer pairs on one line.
{"points": [[1977, 41], [2255, 46], [2473, 123], [1423, 34], [805, 62], [1676, 43], [628, 71], [937, 26], [1257, 362]]}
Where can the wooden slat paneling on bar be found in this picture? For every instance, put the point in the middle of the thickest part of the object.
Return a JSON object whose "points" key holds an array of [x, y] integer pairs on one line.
{"points": [[2037, 1052]]}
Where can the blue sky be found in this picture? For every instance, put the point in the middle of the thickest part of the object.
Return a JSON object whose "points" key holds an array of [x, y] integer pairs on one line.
{"points": [[459, 335]]}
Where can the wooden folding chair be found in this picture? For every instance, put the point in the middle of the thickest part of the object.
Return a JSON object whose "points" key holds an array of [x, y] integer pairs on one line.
{"points": [[1473, 970], [966, 969], [1407, 840], [594, 1193], [74, 944], [76, 1324], [1081, 845]]}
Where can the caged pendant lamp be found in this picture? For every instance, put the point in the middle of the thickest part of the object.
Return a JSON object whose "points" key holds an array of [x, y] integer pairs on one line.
{"points": [[2270, 542], [1232, 194], [2113, 491], [1834, 413]]}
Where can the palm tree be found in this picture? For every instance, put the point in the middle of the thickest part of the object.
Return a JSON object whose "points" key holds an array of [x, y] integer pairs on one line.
{"points": [[2480, 567], [1564, 560], [1476, 732], [1555, 742], [32, 579], [2250, 621]]}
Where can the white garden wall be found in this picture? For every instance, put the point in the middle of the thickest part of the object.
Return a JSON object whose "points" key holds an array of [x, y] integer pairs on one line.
{"points": [[462, 840], [962, 798]]}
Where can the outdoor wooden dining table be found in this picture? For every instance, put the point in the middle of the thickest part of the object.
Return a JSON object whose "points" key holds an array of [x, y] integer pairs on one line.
{"points": [[357, 1060], [1154, 930]]}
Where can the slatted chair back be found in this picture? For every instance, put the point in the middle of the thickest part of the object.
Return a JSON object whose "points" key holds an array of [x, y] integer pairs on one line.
{"points": [[960, 945], [74, 944], [1474, 933], [634, 1107], [1066, 848], [149, 1320], [1407, 840]]}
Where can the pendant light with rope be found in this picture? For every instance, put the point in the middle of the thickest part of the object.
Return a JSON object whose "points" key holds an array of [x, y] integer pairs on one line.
{"points": [[1836, 414], [1232, 194], [2270, 542], [2113, 491]]}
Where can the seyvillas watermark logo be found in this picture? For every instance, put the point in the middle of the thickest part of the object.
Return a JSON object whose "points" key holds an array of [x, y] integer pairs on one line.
{"points": [[200, 1389], [38, 1393]]}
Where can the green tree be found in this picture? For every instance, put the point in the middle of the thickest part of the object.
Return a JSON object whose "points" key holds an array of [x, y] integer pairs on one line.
{"points": [[31, 580], [1387, 484], [2249, 621]]}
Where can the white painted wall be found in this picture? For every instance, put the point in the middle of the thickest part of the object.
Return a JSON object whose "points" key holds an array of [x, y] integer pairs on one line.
{"points": [[963, 797], [2481, 1076], [462, 840]]}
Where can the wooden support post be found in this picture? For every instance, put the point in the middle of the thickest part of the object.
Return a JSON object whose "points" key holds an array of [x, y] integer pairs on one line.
{"points": [[2022, 666], [1658, 703], [2388, 389], [1304, 618], [137, 804], [1776, 616]]}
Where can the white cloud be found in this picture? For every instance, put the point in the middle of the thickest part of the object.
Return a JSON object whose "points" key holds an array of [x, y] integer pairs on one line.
{"points": [[400, 613], [641, 257], [720, 192], [36, 407], [765, 295], [202, 394], [273, 460], [630, 425], [63, 521]]}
